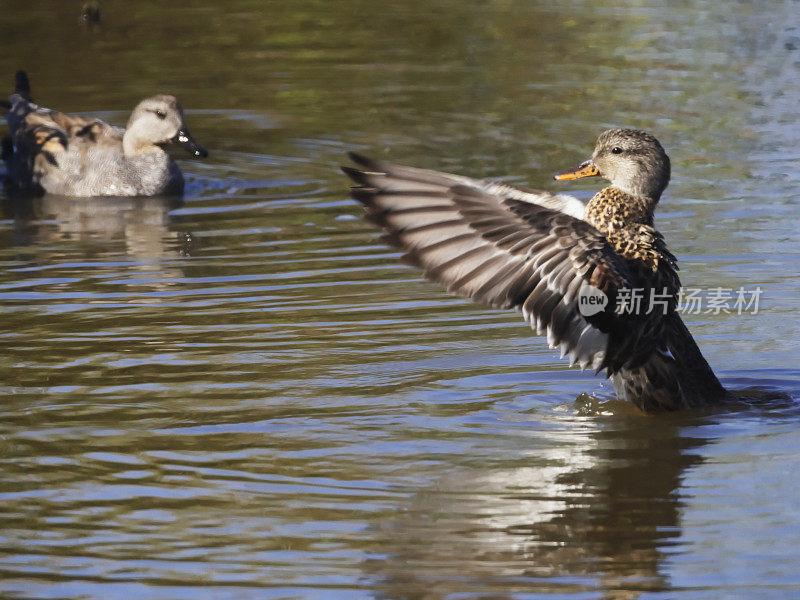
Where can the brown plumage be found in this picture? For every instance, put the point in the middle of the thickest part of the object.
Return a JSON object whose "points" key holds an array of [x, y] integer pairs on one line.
{"points": [[544, 254]]}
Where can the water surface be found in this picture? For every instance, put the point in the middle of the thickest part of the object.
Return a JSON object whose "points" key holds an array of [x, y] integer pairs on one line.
{"points": [[246, 395]]}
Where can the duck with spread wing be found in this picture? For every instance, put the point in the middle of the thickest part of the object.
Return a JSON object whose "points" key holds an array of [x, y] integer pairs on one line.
{"points": [[544, 254]]}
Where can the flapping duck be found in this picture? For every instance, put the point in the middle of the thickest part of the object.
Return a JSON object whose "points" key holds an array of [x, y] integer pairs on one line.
{"points": [[544, 254]]}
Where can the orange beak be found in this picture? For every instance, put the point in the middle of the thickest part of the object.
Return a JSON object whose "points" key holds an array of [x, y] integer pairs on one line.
{"points": [[587, 169]]}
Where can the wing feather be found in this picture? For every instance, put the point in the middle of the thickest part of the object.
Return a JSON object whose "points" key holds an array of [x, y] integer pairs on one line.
{"points": [[559, 202], [43, 138], [494, 244]]}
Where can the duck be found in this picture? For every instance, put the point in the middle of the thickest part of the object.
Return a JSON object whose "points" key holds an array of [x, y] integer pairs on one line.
{"points": [[572, 269], [55, 153]]}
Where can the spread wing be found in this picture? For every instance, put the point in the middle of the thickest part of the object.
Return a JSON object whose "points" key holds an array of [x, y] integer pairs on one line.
{"points": [[560, 202], [492, 243]]}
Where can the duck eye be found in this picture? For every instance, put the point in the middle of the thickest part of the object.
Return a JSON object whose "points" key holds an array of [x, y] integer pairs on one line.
{"points": [[161, 114], [616, 150]]}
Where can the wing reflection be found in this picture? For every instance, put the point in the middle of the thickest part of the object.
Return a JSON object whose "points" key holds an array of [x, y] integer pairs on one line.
{"points": [[598, 512]]}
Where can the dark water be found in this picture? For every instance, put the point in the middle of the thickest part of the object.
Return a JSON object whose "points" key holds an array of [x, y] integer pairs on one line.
{"points": [[247, 396]]}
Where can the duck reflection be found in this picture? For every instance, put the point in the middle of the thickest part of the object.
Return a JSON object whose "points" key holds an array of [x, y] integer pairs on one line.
{"points": [[596, 514], [52, 215], [142, 224]]}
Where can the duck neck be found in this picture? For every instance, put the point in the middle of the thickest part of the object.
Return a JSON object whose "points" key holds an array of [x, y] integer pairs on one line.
{"points": [[612, 209], [136, 144]]}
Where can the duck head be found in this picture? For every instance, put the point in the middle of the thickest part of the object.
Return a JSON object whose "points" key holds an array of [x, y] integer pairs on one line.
{"points": [[632, 160], [158, 120]]}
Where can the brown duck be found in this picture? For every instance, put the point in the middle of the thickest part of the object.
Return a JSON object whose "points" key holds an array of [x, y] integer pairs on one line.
{"points": [[546, 254]]}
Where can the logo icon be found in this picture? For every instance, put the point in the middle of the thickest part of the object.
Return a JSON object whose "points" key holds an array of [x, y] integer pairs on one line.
{"points": [[591, 301]]}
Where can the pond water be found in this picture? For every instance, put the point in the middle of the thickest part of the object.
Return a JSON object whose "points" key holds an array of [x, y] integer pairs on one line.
{"points": [[246, 395]]}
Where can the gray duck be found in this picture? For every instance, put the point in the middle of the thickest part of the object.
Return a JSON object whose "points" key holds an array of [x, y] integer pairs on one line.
{"points": [[51, 152], [543, 254]]}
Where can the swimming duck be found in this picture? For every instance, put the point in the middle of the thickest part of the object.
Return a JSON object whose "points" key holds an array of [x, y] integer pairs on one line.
{"points": [[574, 271], [55, 153]]}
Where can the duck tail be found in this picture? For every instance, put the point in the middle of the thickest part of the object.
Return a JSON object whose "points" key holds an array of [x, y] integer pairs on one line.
{"points": [[678, 377], [22, 85]]}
